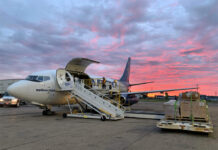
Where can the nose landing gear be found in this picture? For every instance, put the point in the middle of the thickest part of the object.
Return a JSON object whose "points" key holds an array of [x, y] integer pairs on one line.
{"points": [[47, 111]]}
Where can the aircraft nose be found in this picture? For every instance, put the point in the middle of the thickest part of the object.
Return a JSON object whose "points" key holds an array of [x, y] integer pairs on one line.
{"points": [[14, 89]]}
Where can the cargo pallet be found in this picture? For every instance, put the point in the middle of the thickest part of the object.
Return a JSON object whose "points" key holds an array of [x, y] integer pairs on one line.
{"points": [[188, 119], [195, 126]]}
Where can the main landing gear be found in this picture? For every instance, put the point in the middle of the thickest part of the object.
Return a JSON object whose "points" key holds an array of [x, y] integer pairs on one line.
{"points": [[47, 111]]}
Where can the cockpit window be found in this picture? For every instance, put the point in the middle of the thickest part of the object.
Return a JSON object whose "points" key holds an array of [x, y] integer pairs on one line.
{"points": [[40, 78], [46, 78], [32, 78], [35, 78]]}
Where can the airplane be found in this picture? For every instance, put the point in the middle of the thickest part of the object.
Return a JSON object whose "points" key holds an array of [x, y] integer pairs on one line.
{"points": [[46, 88]]}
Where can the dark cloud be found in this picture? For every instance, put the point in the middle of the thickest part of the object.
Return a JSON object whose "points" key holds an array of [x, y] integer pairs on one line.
{"points": [[193, 51], [146, 63], [194, 68]]}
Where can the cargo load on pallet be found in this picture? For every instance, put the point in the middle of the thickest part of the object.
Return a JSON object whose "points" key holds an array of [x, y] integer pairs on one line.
{"points": [[194, 110], [171, 109], [188, 113], [189, 96], [188, 107]]}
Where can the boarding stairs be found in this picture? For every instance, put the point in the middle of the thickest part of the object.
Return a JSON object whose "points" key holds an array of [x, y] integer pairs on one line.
{"points": [[109, 109]]}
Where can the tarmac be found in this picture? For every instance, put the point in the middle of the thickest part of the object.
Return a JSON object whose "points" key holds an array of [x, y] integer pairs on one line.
{"points": [[25, 128]]}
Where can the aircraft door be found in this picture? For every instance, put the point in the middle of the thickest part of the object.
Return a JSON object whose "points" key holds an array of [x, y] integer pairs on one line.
{"points": [[64, 79]]}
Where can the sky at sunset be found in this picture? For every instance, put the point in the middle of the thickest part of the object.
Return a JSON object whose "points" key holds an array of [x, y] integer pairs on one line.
{"points": [[171, 42]]}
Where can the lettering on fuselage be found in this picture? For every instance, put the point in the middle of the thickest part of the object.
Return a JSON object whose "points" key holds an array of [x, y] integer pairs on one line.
{"points": [[45, 90]]}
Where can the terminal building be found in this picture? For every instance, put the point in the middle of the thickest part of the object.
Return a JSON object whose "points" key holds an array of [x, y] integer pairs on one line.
{"points": [[202, 97], [4, 84], [209, 98]]}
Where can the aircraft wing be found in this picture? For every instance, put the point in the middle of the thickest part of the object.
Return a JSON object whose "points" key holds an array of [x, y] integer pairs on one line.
{"points": [[79, 64], [157, 91]]}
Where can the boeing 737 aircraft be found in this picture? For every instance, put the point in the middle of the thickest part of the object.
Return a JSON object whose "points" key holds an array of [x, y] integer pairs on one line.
{"points": [[55, 87]]}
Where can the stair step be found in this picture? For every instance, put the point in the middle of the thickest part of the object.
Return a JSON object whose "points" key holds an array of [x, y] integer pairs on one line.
{"points": [[96, 102]]}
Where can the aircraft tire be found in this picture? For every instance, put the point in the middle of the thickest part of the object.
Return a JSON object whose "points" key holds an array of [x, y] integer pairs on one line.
{"points": [[44, 113], [64, 115], [122, 101], [103, 118]]}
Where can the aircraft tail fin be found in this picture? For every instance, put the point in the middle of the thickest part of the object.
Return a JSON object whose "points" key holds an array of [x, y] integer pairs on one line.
{"points": [[126, 73]]}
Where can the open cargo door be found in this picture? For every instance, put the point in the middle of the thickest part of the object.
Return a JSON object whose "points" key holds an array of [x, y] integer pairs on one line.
{"points": [[79, 64], [64, 80]]}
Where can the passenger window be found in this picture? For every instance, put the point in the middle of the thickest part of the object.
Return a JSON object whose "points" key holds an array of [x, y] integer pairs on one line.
{"points": [[67, 77], [46, 78]]}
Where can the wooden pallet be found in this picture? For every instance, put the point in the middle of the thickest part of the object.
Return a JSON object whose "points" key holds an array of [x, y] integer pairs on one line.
{"points": [[206, 127], [188, 119]]}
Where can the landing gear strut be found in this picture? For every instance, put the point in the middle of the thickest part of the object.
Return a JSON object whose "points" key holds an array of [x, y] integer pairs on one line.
{"points": [[47, 112]]}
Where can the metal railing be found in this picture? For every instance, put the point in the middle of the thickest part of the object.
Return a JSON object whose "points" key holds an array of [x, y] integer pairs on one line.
{"points": [[114, 102], [101, 95]]}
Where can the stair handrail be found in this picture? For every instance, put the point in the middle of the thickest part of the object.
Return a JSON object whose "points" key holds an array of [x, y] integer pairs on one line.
{"points": [[101, 95], [102, 110]]}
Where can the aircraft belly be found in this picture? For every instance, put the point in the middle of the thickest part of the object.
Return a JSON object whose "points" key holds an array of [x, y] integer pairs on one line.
{"points": [[40, 98], [59, 98], [32, 95]]}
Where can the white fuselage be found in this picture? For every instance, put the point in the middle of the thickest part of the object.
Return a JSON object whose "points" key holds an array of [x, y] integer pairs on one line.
{"points": [[44, 92], [39, 92]]}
